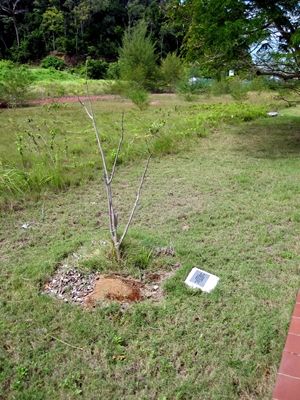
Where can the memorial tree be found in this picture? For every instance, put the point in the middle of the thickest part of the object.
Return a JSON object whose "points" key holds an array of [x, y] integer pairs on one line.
{"points": [[258, 35], [108, 177]]}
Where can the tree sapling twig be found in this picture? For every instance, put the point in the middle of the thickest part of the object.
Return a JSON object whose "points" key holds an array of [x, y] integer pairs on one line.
{"points": [[108, 178]]}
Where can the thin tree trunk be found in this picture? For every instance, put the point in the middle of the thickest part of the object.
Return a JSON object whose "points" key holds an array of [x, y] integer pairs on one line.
{"points": [[1, 37], [108, 178], [17, 32]]}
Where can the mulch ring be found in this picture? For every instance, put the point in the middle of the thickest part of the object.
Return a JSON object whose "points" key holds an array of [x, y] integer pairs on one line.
{"points": [[68, 285]]}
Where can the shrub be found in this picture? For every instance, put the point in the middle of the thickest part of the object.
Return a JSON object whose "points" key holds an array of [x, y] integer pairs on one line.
{"points": [[5, 65], [238, 89], [171, 69], [21, 53], [96, 69], [259, 84], [92, 69], [53, 62], [189, 89], [16, 82], [113, 71], [220, 87]]}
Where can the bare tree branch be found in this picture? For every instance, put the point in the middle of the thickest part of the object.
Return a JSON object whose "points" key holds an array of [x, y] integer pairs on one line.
{"points": [[118, 150], [136, 200], [108, 178]]}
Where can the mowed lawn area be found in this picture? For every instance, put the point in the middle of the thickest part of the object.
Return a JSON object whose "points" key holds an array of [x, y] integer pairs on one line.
{"points": [[221, 193]]}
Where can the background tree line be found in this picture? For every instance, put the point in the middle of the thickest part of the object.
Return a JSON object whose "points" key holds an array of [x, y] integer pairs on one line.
{"points": [[31, 29], [253, 37]]}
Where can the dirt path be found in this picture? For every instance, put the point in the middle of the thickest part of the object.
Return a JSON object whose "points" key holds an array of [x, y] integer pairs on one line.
{"points": [[73, 99]]}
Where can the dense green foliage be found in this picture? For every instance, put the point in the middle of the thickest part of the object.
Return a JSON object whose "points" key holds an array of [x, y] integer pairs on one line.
{"points": [[31, 29], [15, 82], [228, 32], [137, 57], [250, 37], [53, 62]]}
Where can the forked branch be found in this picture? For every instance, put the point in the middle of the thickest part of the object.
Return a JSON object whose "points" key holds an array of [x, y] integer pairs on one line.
{"points": [[108, 179]]}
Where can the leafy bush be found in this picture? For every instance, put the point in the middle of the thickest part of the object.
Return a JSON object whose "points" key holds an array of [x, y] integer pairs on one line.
{"points": [[96, 69], [238, 89], [93, 69], [259, 84], [53, 62], [190, 89], [171, 69], [113, 71], [221, 87], [5, 65], [20, 53], [16, 82], [234, 86]]}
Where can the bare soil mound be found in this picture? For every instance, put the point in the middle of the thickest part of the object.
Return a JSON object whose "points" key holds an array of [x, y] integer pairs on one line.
{"points": [[114, 288], [69, 285]]}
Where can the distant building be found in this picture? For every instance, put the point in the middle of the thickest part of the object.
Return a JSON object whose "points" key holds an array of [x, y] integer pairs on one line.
{"points": [[194, 80]]}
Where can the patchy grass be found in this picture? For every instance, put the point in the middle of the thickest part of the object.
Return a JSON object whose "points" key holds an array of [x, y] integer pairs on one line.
{"points": [[226, 202], [52, 146]]}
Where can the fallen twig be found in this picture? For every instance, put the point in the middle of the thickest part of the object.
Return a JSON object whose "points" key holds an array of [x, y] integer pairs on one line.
{"points": [[67, 344]]}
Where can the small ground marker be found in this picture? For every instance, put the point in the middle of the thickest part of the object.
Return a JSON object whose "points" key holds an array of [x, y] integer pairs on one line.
{"points": [[198, 279]]}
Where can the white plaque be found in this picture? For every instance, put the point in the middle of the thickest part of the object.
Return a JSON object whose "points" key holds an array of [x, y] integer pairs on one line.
{"points": [[198, 279]]}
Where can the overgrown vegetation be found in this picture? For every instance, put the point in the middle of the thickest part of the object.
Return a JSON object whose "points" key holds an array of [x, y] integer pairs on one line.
{"points": [[50, 147], [15, 82], [53, 62]]}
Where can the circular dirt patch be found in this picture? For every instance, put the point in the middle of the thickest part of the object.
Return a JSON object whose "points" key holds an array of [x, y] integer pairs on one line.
{"points": [[69, 285], [113, 288]]}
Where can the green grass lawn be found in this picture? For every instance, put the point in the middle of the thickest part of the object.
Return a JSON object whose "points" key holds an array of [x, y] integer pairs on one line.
{"points": [[223, 194]]}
